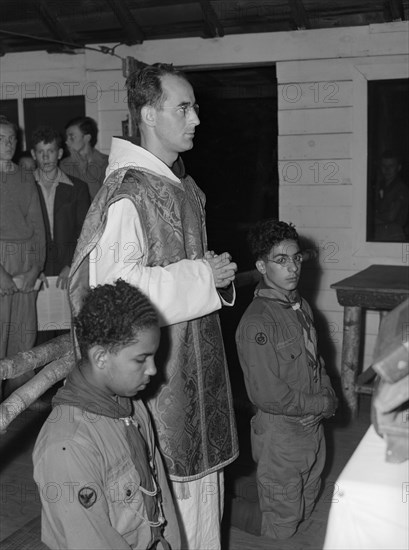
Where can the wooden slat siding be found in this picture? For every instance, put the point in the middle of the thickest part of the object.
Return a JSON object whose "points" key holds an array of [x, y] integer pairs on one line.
{"points": [[113, 100], [111, 79], [314, 147], [43, 83], [112, 119], [328, 195], [315, 70], [314, 172], [330, 248], [112, 105], [312, 121], [315, 216], [315, 95]]}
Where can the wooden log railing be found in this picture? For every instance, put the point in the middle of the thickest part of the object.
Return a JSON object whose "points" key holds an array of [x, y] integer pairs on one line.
{"points": [[57, 359]]}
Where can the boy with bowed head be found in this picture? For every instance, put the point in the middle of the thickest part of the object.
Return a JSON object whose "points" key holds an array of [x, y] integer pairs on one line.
{"points": [[98, 444], [286, 380]]}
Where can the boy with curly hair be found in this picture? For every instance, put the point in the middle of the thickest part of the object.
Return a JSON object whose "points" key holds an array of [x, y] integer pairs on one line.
{"points": [[100, 476], [286, 381]]}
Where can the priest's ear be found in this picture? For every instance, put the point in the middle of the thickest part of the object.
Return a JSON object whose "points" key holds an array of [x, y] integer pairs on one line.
{"points": [[261, 266], [148, 115]]}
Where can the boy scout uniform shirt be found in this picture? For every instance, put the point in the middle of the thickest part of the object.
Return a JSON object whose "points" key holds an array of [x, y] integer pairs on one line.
{"points": [[88, 484], [279, 377]]}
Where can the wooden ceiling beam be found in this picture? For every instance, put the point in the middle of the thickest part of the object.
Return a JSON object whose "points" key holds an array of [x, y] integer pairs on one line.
{"points": [[134, 33], [299, 14], [395, 7], [56, 29], [213, 25]]}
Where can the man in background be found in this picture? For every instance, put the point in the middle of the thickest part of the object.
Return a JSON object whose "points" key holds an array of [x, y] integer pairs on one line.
{"points": [[22, 247], [391, 201], [84, 161], [64, 204]]}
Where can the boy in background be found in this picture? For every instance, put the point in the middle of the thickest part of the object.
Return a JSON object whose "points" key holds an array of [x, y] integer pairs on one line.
{"points": [[286, 381], [97, 448], [64, 203], [84, 160]]}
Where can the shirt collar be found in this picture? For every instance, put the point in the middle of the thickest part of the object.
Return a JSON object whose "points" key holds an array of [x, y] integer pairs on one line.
{"points": [[59, 178]]}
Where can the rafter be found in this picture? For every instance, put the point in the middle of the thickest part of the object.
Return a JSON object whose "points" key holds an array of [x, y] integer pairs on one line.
{"points": [[134, 33], [212, 23], [57, 29], [299, 14]]}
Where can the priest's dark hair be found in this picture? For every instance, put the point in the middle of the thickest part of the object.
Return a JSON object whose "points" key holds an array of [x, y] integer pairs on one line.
{"points": [[144, 86], [112, 315], [268, 233]]}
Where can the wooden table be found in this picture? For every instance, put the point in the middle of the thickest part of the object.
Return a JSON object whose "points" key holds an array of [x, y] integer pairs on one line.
{"points": [[379, 287]]}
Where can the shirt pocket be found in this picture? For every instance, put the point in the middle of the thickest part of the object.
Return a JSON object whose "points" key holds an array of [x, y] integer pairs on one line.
{"points": [[125, 502], [289, 355]]}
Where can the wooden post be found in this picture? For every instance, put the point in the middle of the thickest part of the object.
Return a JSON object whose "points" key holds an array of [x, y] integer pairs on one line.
{"points": [[350, 356]]}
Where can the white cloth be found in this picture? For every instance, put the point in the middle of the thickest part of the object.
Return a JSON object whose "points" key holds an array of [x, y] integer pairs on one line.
{"points": [[369, 508], [202, 511], [181, 291]]}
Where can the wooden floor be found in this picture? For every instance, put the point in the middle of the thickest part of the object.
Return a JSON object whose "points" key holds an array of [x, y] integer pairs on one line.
{"points": [[20, 503]]}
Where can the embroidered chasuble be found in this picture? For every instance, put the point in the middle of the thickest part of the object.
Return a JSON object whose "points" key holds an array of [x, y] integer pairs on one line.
{"points": [[190, 398]]}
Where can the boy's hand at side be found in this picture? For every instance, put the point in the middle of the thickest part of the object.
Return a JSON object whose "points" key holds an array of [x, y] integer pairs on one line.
{"points": [[331, 403], [62, 281], [310, 420]]}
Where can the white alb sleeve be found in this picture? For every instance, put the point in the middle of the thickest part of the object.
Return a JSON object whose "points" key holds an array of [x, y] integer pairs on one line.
{"points": [[181, 291]]}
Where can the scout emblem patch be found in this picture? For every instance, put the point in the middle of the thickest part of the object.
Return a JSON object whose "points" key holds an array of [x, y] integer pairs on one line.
{"points": [[87, 497], [261, 338]]}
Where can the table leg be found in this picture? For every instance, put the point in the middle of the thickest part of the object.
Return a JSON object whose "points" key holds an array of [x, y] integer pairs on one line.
{"points": [[350, 356]]}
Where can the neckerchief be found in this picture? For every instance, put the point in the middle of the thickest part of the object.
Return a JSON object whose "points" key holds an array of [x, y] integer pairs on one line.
{"points": [[78, 392], [293, 300]]}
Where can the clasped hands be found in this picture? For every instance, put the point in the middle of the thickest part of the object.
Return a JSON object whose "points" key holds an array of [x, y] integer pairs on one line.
{"points": [[223, 269], [330, 406]]}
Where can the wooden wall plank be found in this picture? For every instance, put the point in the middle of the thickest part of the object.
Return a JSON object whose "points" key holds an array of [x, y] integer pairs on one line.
{"points": [[111, 100], [319, 70], [314, 147], [315, 121], [312, 95], [314, 172], [315, 216], [326, 195], [112, 119]]}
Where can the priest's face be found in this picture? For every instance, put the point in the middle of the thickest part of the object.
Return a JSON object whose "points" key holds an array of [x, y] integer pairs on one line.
{"points": [[176, 119]]}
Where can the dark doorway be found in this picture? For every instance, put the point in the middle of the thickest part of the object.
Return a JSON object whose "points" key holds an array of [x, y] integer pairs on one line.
{"points": [[234, 159], [51, 111]]}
